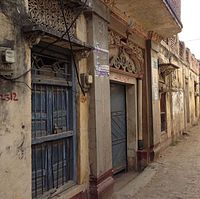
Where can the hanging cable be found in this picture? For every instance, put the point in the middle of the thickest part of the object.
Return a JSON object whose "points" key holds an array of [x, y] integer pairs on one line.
{"points": [[15, 79], [67, 29], [191, 40], [71, 48]]}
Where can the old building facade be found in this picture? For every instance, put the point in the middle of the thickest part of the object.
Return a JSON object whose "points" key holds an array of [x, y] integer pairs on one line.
{"points": [[89, 89]]}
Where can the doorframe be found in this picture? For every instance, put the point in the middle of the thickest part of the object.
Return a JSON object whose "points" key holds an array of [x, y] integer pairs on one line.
{"points": [[131, 92]]}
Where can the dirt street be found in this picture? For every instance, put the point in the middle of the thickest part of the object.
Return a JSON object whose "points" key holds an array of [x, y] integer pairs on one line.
{"points": [[177, 171]]}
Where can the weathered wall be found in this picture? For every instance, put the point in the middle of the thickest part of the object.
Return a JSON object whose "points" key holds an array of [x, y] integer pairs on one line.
{"points": [[83, 111], [15, 117], [15, 120], [154, 101], [182, 104]]}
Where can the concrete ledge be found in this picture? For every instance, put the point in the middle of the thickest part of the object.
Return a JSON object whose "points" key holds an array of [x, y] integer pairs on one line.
{"points": [[77, 191], [136, 184]]}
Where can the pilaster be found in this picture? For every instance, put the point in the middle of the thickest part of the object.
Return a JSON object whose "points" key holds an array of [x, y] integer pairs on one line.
{"points": [[100, 144]]}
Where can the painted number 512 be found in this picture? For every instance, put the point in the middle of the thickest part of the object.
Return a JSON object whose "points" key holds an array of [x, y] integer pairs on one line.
{"points": [[8, 96]]}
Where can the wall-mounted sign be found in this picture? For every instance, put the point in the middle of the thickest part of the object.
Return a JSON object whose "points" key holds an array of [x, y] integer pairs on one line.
{"points": [[155, 87], [102, 68]]}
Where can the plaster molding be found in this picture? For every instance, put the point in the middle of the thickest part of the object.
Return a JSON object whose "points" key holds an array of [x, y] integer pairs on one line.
{"points": [[154, 36], [125, 55]]}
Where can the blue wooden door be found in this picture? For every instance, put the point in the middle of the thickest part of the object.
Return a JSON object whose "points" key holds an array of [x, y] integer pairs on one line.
{"points": [[53, 125], [118, 127], [52, 138]]}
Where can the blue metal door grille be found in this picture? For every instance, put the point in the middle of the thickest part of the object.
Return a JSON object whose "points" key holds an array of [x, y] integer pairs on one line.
{"points": [[52, 128], [118, 125]]}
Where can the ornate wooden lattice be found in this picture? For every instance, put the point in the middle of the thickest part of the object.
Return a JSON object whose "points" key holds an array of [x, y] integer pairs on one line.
{"points": [[48, 14], [127, 56]]}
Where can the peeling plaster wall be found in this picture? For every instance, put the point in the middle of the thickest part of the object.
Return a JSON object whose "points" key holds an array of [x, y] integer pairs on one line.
{"points": [[15, 117]]}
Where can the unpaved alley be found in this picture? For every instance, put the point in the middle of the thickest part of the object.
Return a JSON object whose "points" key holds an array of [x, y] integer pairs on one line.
{"points": [[175, 175]]}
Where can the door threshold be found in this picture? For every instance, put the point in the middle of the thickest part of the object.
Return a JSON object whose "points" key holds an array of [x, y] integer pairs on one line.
{"points": [[123, 178]]}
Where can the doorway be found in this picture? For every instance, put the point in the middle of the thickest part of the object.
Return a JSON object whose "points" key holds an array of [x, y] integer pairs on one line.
{"points": [[53, 123], [187, 102], [118, 127]]}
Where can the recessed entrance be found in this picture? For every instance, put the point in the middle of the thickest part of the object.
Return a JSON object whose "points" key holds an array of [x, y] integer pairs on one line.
{"points": [[118, 127]]}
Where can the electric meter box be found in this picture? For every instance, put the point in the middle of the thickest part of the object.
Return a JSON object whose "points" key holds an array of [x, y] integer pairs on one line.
{"points": [[8, 56], [7, 60]]}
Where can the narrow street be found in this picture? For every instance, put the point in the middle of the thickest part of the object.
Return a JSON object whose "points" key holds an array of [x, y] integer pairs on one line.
{"points": [[175, 175]]}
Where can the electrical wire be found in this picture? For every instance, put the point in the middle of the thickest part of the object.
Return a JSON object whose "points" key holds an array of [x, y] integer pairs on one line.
{"points": [[67, 29], [20, 82], [15, 79], [71, 49], [191, 40]]}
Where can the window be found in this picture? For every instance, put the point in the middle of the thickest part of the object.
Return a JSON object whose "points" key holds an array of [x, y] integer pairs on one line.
{"points": [[53, 132], [163, 112]]}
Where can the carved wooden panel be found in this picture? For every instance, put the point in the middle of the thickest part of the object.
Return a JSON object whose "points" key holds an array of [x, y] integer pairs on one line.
{"points": [[48, 13], [125, 55]]}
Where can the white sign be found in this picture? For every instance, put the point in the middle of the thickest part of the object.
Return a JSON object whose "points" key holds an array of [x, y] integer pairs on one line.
{"points": [[155, 88]]}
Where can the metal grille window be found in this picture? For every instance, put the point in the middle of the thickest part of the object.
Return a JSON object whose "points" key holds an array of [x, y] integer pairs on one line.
{"points": [[53, 134]]}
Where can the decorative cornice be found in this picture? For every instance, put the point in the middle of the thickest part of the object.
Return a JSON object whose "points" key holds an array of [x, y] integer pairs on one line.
{"points": [[125, 55], [154, 36]]}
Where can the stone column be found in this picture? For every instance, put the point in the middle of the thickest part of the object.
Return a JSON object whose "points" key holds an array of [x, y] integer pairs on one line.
{"points": [[100, 144]]}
